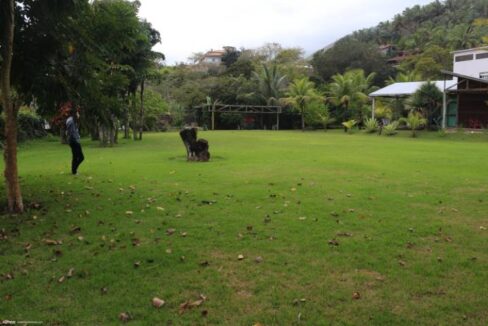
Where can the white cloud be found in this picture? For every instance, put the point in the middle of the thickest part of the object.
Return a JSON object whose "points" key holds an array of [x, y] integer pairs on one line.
{"points": [[189, 26]]}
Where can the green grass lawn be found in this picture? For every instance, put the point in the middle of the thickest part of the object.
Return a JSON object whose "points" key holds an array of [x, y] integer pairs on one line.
{"points": [[351, 230]]}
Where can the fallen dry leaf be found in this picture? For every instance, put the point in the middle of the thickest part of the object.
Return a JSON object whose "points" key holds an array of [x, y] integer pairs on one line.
{"points": [[240, 257], [124, 317], [61, 279], [70, 272], [170, 231], [333, 242], [129, 212], [51, 242], [75, 229], [157, 302], [191, 304], [356, 296], [258, 259]]}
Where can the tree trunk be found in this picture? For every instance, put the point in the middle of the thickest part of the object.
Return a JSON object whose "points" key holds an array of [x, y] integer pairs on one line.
{"points": [[141, 112], [303, 119], [134, 116], [14, 196]]}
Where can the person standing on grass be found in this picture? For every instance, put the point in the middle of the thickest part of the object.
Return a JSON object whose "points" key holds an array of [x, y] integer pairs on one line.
{"points": [[74, 140]]}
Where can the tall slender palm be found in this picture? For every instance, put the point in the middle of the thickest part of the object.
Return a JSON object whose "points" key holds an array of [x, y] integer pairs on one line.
{"points": [[271, 84], [300, 94]]}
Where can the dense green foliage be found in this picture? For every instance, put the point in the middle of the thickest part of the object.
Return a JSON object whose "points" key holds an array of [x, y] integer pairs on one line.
{"points": [[93, 54]]}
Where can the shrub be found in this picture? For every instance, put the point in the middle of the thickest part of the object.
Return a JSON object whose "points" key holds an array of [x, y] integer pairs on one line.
{"points": [[348, 125], [29, 126], [414, 121], [371, 125], [391, 128]]}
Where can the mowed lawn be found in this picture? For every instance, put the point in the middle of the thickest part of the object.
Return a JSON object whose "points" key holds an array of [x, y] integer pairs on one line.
{"points": [[349, 230]]}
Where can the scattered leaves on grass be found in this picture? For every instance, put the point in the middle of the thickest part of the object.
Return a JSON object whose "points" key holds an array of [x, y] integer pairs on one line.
{"points": [[61, 279], [204, 263], [240, 257], [170, 231], [258, 259], [103, 291], [356, 295], [159, 208], [482, 228], [344, 234], [129, 212], [137, 264], [302, 218], [157, 302], [183, 234], [136, 242], [402, 263]]}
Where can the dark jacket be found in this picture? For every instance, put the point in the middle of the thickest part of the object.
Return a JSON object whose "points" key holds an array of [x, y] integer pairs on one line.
{"points": [[72, 130]]}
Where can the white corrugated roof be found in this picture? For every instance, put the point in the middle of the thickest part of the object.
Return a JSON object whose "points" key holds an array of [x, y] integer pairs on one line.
{"points": [[408, 88]]}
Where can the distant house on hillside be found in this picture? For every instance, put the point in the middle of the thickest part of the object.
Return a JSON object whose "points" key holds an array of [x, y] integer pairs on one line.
{"points": [[465, 95], [213, 57]]}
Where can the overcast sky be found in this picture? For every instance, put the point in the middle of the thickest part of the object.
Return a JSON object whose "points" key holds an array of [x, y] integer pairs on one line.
{"points": [[189, 26]]}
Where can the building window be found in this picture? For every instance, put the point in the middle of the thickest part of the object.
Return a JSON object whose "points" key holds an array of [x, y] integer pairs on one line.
{"points": [[466, 57], [482, 56], [484, 75]]}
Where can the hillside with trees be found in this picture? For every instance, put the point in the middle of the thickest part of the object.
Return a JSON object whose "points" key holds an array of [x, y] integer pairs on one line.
{"points": [[418, 40]]}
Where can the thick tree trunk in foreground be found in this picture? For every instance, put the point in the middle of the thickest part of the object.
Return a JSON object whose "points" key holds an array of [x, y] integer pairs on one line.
{"points": [[14, 196]]}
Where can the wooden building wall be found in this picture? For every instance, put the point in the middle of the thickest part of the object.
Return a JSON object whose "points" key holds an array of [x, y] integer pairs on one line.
{"points": [[472, 104]]}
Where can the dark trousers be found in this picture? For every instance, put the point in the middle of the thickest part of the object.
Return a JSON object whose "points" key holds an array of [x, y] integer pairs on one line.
{"points": [[77, 156]]}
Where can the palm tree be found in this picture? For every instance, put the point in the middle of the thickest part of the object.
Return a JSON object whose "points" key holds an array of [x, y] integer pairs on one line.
{"points": [[414, 121], [300, 94], [403, 77], [271, 84], [349, 89]]}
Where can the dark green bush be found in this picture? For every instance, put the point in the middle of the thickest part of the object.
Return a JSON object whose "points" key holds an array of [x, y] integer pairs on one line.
{"points": [[29, 126]]}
